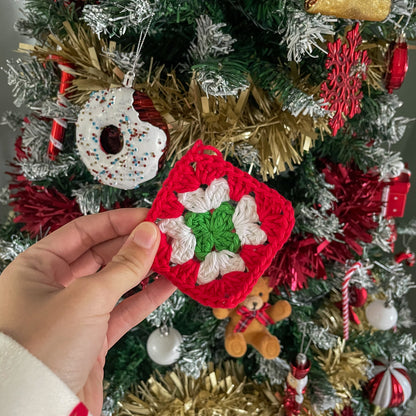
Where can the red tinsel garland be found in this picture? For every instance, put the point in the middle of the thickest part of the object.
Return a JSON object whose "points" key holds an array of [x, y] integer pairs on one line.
{"points": [[40, 209], [357, 206], [297, 260]]}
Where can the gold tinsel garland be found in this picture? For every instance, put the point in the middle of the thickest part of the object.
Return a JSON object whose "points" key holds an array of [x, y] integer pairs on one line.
{"points": [[221, 391], [345, 368], [254, 118]]}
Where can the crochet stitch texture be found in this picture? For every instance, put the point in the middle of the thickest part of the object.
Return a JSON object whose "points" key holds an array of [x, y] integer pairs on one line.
{"points": [[220, 228]]}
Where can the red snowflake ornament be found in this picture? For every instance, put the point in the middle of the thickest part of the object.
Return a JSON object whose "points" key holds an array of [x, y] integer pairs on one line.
{"points": [[342, 89]]}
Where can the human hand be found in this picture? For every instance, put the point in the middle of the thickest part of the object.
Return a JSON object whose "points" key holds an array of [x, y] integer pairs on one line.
{"points": [[55, 302]]}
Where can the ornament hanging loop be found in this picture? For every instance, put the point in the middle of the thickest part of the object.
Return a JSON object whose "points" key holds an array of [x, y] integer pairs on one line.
{"points": [[128, 80]]}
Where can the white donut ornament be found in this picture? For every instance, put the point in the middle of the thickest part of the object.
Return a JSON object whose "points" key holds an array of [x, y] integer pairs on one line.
{"points": [[118, 148]]}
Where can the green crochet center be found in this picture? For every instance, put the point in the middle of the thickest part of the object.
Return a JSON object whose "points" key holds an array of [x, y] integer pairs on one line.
{"points": [[213, 231]]}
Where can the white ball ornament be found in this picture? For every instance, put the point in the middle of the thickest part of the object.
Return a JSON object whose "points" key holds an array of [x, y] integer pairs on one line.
{"points": [[117, 147], [381, 315], [163, 345]]}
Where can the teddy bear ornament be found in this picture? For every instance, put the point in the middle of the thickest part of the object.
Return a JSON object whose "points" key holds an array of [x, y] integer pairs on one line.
{"points": [[249, 319]]}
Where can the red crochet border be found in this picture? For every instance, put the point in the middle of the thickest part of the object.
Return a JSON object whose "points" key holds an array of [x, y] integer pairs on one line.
{"points": [[200, 166]]}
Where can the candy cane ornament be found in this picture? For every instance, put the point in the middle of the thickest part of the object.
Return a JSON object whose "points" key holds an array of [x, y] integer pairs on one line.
{"points": [[59, 125], [346, 299]]}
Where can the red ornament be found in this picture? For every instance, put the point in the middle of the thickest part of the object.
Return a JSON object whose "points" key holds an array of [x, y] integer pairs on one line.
{"points": [[397, 64], [296, 383], [395, 195], [391, 385], [342, 89], [347, 411], [59, 125]]}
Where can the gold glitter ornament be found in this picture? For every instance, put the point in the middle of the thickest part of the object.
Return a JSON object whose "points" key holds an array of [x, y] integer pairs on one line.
{"points": [[222, 391], [375, 10]]}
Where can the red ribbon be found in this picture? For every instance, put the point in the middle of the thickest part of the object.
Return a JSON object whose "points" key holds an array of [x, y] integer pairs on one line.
{"points": [[247, 316], [408, 257], [358, 297]]}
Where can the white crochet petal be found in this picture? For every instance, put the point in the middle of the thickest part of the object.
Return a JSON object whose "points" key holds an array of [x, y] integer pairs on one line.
{"points": [[216, 193], [201, 200], [245, 219], [230, 262], [217, 263], [184, 241], [209, 269], [194, 201]]}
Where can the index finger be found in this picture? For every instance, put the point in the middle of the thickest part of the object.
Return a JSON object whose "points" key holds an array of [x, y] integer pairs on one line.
{"points": [[75, 238]]}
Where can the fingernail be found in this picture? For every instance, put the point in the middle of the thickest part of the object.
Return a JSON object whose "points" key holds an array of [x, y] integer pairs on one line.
{"points": [[145, 235]]}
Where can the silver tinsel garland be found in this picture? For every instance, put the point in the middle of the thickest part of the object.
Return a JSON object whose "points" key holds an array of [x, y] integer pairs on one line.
{"points": [[319, 336], [9, 250], [317, 222], [275, 370], [167, 310], [297, 102]]}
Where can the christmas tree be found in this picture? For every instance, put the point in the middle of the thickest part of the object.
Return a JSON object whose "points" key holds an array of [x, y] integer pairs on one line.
{"points": [[296, 94]]}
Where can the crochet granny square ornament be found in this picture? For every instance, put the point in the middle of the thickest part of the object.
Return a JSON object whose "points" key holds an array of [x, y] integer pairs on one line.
{"points": [[220, 228]]}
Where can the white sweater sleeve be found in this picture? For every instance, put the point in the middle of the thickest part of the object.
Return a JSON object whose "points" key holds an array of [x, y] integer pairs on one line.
{"points": [[29, 387]]}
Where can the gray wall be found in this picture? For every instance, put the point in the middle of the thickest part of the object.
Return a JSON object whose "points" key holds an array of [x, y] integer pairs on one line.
{"points": [[9, 41]]}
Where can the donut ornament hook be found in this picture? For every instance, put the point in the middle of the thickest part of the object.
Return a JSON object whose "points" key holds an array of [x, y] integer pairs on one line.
{"points": [[121, 144]]}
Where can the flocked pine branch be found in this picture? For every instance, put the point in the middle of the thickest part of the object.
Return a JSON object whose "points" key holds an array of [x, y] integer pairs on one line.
{"points": [[275, 370], [386, 127], [196, 348], [211, 41], [226, 79], [165, 313], [382, 235], [317, 222], [11, 119], [43, 168], [305, 32], [217, 77], [31, 81], [115, 17], [52, 109], [4, 196], [393, 279], [9, 250], [298, 102], [92, 197], [407, 229], [126, 61], [319, 336]]}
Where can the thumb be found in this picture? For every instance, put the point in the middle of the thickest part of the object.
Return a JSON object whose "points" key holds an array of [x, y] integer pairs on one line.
{"points": [[132, 263]]}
